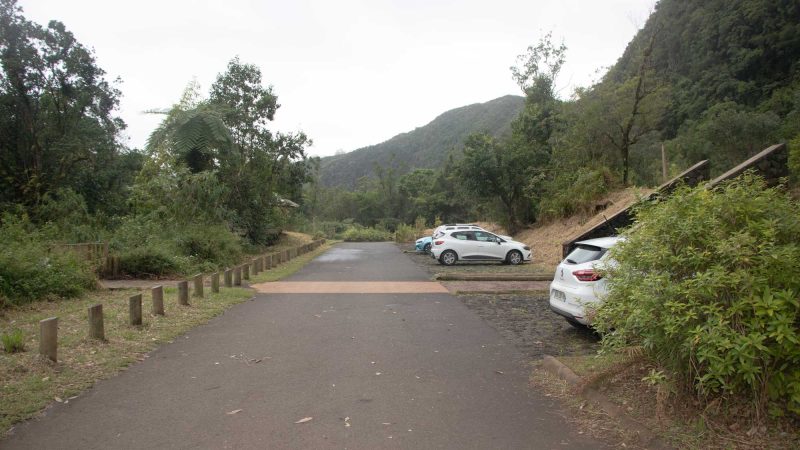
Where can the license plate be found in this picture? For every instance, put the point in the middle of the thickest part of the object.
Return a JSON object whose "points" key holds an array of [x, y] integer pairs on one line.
{"points": [[560, 296]]}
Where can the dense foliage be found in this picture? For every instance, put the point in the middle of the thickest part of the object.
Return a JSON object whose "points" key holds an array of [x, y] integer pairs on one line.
{"points": [[707, 283], [212, 184], [30, 269]]}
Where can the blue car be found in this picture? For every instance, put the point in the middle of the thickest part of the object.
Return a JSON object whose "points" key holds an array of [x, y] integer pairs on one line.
{"points": [[423, 244]]}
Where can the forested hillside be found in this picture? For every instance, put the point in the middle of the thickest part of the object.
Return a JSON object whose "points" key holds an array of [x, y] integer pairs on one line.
{"points": [[424, 147], [717, 80]]}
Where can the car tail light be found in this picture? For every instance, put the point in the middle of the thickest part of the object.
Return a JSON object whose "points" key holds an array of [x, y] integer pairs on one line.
{"points": [[587, 275], [438, 243]]}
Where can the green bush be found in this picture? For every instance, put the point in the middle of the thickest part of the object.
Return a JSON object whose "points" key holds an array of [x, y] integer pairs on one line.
{"points": [[707, 283], [362, 234], [794, 158], [149, 261], [574, 192], [405, 233], [214, 244], [14, 341], [30, 271]]}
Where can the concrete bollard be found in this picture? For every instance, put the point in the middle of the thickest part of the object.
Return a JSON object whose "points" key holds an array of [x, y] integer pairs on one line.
{"points": [[157, 293], [246, 271], [237, 276], [96, 327], [228, 278], [135, 309], [254, 266], [183, 292], [267, 262], [48, 338], [215, 282], [198, 285]]}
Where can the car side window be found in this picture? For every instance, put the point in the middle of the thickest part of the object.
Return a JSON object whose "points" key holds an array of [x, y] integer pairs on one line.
{"points": [[460, 235], [484, 237]]}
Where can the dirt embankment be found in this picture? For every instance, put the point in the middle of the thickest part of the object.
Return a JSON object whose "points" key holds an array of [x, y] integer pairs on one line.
{"points": [[546, 238]]}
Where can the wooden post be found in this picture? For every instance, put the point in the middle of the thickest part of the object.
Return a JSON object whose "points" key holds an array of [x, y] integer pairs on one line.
{"points": [[135, 309], [158, 300], [267, 262], [183, 292], [664, 171], [237, 276], [228, 278], [198, 285], [215, 282], [246, 271], [48, 338], [96, 328], [254, 266]]}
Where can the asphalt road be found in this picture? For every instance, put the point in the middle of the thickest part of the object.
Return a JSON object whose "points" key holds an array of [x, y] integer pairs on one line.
{"points": [[372, 371]]}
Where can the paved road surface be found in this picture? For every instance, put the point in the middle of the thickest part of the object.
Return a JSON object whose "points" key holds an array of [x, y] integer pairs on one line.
{"points": [[373, 371]]}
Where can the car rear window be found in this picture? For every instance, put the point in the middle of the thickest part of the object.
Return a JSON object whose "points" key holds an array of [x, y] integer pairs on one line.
{"points": [[584, 253]]}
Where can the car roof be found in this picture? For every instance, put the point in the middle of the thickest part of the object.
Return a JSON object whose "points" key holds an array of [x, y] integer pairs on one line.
{"points": [[604, 242]]}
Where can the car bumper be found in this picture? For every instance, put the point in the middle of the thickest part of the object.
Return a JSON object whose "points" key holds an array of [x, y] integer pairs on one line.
{"points": [[574, 302]]}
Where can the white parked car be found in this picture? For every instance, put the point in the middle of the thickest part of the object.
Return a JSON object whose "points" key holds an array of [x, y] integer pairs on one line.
{"points": [[477, 245], [577, 287]]}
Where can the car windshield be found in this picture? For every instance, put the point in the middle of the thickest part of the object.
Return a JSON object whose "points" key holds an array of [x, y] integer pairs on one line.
{"points": [[585, 253]]}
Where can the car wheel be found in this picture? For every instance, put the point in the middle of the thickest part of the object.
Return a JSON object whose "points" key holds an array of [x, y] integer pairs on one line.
{"points": [[448, 257], [514, 257], [426, 248]]}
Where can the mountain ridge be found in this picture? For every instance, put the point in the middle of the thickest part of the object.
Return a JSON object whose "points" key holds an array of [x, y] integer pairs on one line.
{"points": [[423, 147]]}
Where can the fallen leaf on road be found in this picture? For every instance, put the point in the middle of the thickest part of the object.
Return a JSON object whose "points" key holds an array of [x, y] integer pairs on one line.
{"points": [[347, 422], [230, 413], [386, 423], [317, 315], [304, 420], [58, 399], [377, 373], [499, 371]]}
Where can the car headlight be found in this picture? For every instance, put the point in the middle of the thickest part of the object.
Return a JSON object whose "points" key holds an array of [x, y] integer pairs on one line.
{"points": [[526, 248]]}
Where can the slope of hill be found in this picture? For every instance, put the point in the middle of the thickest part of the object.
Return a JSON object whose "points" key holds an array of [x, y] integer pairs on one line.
{"points": [[424, 147]]}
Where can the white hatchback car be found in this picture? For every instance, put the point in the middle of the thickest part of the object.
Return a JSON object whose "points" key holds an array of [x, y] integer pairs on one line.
{"points": [[577, 286], [477, 245]]}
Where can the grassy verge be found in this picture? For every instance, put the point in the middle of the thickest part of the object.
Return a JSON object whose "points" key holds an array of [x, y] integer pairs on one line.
{"points": [[28, 383]]}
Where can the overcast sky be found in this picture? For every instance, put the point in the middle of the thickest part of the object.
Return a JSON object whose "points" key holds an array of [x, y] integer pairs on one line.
{"points": [[348, 73]]}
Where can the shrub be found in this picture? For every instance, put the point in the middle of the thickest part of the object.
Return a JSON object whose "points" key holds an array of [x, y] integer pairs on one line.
{"points": [[29, 271], [405, 233], [794, 158], [214, 244], [707, 283], [573, 192], [362, 234], [14, 341], [149, 261]]}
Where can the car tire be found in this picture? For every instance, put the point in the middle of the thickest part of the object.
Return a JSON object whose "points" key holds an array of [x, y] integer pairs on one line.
{"points": [[448, 258], [426, 248], [514, 257]]}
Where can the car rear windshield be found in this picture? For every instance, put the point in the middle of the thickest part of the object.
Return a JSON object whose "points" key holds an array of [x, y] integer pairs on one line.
{"points": [[585, 253]]}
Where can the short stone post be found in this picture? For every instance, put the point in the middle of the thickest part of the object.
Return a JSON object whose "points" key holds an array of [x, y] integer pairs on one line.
{"points": [[198, 285], [96, 328], [215, 282], [267, 262], [237, 276], [246, 271], [228, 278], [48, 338], [183, 292], [135, 309], [158, 300]]}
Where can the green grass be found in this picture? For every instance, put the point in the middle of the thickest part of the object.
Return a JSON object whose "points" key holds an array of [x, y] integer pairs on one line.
{"points": [[28, 383]]}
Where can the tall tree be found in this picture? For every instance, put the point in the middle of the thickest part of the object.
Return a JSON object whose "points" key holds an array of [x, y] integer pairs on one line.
{"points": [[57, 123]]}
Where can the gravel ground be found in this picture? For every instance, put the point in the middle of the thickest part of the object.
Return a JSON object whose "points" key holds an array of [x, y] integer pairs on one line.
{"points": [[526, 320]]}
